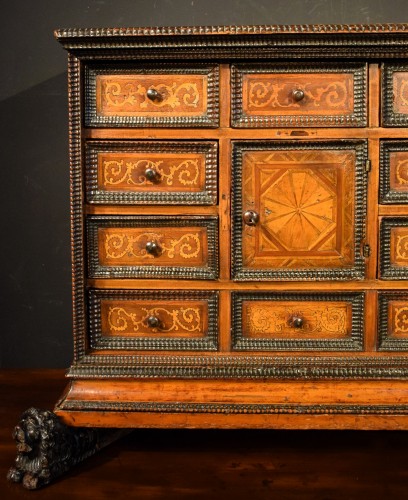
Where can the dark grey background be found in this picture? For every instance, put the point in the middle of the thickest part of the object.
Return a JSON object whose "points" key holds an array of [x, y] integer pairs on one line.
{"points": [[35, 316]]}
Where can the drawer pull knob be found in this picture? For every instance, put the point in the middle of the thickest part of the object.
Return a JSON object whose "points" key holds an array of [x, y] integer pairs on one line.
{"points": [[153, 248], [297, 322], [251, 218], [152, 175], [153, 322], [298, 94], [153, 95]]}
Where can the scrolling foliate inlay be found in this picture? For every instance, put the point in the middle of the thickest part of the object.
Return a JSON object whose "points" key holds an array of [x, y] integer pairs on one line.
{"points": [[264, 94], [117, 172], [118, 245], [186, 319]]}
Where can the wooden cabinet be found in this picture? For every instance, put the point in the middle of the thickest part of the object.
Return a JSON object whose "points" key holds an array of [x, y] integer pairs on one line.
{"points": [[239, 227]]}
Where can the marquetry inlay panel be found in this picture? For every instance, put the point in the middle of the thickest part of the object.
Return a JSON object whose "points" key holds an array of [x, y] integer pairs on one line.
{"points": [[394, 248], [153, 246], [395, 95], [299, 321], [299, 95], [393, 328], [144, 319], [306, 201], [394, 172]]}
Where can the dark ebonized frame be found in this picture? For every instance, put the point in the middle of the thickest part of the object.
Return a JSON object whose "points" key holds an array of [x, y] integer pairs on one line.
{"points": [[208, 196], [210, 119], [385, 342], [389, 117], [389, 271], [240, 272], [96, 270], [170, 343], [387, 194], [356, 119], [352, 343]]}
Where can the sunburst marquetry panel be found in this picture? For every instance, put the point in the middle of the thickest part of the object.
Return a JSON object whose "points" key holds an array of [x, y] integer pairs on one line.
{"points": [[306, 197]]}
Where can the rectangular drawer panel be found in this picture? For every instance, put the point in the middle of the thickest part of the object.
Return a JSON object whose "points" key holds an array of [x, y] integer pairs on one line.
{"points": [[393, 322], [395, 95], [394, 248], [152, 96], [299, 95], [159, 320], [150, 246], [308, 204], [394, 172], [302, 321], [159, 172]]}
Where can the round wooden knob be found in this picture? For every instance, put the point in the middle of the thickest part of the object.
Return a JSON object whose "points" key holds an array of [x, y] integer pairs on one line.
{"points": [[153, 95], [297, 322], [153, 322], [152, 175], [298, 94], [251, 218], [152, 248]]}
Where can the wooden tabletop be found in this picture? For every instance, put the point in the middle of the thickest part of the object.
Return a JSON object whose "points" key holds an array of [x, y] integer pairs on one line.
{"points": [[182, 464]]}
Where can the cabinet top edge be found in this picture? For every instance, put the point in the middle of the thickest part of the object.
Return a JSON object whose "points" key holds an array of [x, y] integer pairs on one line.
{"points": [[62, 34]]}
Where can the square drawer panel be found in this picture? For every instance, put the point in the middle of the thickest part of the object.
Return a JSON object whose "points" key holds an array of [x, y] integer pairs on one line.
{"points": [[299, 95], [394, 172], [298, 321], [393, 321], [153, 247], [160, 95], [299, 210], [146, 172], [394, 248], [153, 320], [395, 95]]}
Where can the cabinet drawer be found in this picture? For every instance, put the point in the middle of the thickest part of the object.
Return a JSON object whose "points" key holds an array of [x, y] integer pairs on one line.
{"points": [[393, 321], [395, 95], [152, 96], [159, 172], [299, 95], [299, 210], [159, 320], [394, 172], [394, 248], [156, 247], [274, 321]]}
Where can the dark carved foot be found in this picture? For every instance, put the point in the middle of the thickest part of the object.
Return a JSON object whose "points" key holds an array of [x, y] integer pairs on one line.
{"points": [[47, 448]]}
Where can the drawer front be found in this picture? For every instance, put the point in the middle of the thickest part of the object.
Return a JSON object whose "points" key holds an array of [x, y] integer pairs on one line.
{"points": [[393, 321], [152, 96], [394, 248], [149, 246], [395, 95], [307, 201], [139, 172], [299, 96], [274, 321], [394, 172], [159, 320]]}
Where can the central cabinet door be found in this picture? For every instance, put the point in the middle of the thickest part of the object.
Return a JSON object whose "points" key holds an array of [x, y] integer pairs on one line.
{"points": [[299, 210]]}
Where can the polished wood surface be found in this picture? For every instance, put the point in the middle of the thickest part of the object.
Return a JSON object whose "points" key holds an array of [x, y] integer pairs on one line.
{"points": [[211, 464]]}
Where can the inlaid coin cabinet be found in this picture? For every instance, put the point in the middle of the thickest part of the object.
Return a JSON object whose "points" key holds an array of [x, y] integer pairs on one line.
{"points": [[239, 227]]}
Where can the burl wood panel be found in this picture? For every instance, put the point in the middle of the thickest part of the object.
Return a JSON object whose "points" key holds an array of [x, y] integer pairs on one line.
{"points": [[399, 246], [174, 172], [176, 318], [398, 319], [305, 200], [177, 246], [399, 171], [274, 94], [320, 320], [400, 92], [127, 95]]}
